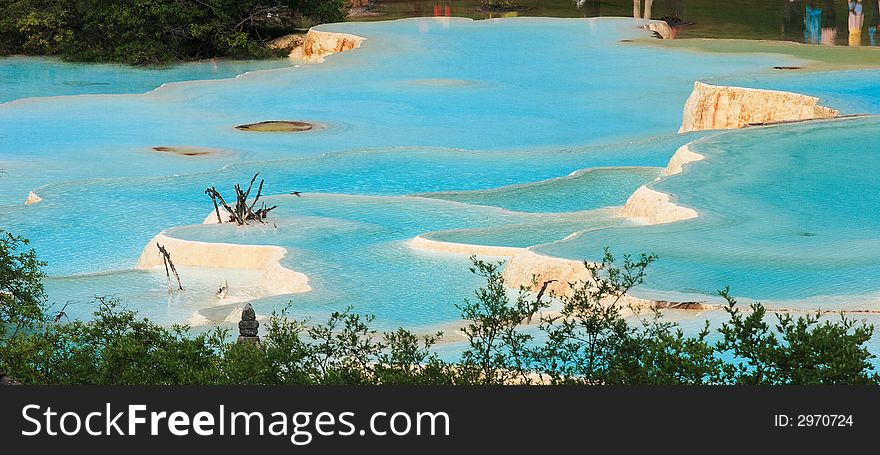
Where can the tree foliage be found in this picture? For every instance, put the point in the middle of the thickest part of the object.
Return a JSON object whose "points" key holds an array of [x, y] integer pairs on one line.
{"points": [[805, 350], [587, 336], [154, 31], [22, 299], [589, 340]]}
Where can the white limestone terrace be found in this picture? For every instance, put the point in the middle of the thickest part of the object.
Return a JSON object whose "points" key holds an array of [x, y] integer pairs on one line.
{"points": [[528, 269], [708, 107], [377, 106], [712, 107]]}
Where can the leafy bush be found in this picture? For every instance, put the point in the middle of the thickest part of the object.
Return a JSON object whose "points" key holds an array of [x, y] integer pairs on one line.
{"points": [[154, 31], [500, 5], [22, 299], [587, 341]]}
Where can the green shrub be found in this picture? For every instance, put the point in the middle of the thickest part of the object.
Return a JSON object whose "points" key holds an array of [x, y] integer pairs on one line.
{"points": [[155, 31], [586, 341]]}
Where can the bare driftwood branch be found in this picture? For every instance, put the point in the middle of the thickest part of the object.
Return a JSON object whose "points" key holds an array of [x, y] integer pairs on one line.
{"points": [[259, 193], [216, 206], [62, 314], [241, 212], [537, 303], [166, 259], [216, 196]]}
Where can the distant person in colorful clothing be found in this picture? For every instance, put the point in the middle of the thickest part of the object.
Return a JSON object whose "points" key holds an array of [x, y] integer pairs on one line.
{"points": [[874, 22], [813, 23], [855, 21], [829, 23]]}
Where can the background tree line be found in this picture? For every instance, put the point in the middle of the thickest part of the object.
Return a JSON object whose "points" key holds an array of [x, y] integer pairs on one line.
{"points": [[154, 31], [586, 341]]}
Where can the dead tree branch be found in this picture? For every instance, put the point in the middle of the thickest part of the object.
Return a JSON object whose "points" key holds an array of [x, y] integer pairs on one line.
{"points": [[241, 212], [166, 258]]}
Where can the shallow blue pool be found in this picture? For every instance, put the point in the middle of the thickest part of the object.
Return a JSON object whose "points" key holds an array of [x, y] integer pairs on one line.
{"points": [[515, 133]]}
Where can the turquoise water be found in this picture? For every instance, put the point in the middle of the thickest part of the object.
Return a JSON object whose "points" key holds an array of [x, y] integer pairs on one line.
{"points": [[853, 91], [526, 85], [515, 132], [26, 77], [786, 213], [608, 186]]}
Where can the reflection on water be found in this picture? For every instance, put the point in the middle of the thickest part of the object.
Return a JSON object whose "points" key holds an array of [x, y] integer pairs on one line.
{"points": [[855, 21], [637, 5], [829, 22], [821, 24]]}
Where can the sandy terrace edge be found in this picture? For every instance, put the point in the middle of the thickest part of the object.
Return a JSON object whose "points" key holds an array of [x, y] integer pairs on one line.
{"points": [[713, 107], [318, 44], [528, 269], [681, 158], [32, 198], [263, 258], [525, 268]]}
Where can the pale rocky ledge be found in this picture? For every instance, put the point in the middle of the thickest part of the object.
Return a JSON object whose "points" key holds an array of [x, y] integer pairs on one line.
{"points": [[318, 44], [713, 107]]}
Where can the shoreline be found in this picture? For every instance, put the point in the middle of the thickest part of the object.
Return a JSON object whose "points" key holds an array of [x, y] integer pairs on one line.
{"points": [[645, 204], [652, 207], [265, 259], [818, 58], [525, 268], [528, 269], [718, 107]]}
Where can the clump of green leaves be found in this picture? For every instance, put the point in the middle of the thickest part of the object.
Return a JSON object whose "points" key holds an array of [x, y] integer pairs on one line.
{"points": [[494, 339], [22, 299], [499, 5], [590, 340], [117, 347], [803, 350], [587, 336], [155, 31]]}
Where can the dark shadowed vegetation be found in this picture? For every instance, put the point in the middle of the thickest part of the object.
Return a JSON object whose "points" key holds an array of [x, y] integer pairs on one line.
{"points": [[586, 340], [154, 31]]}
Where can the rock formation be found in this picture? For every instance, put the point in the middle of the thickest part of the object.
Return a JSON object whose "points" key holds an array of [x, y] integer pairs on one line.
{"points": [[277, 126], [531, 270], [524, 268], [263, 258], [661, 28], [287, 42], [318, 44], [692, 306], [719, 107], [682, 157], [654, 207], [32, 198], [248, 327]]}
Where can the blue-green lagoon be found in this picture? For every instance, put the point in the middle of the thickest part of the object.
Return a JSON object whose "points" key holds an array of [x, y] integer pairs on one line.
{"points": [[522, 133]]}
